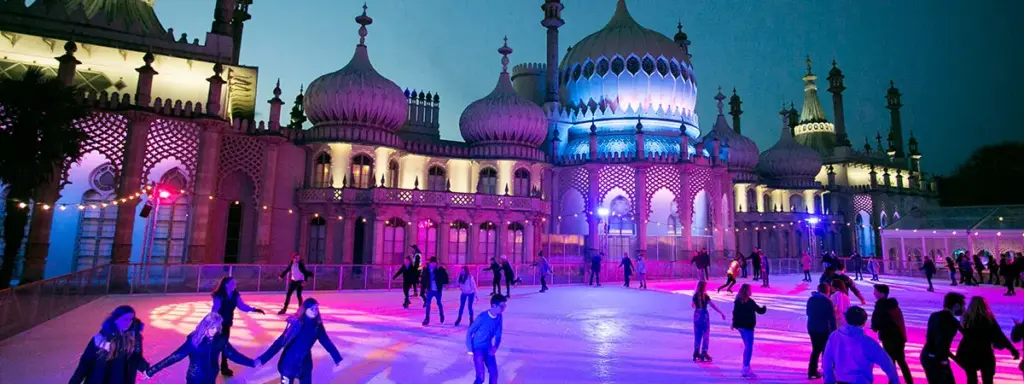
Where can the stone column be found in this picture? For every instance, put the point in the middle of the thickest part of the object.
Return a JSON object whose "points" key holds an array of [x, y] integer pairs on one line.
{"points": [[529, 250], [472, 248], [684, 207], [412, 229], [199, 249], [592, 241], [643, 211], [131, 181], [348, 232], [443, 227], [305, 226], [265, 221], [375, 238], [876, 221], [332, 228], [501, 237]]}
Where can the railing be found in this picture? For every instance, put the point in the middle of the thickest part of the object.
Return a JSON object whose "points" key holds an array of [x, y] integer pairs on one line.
{"points": [[28, 305], [421, 198]]}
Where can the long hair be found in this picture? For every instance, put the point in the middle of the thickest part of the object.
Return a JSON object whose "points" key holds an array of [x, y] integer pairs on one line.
{"points": [[121, 343], [300, 317], [463, 274], [744, 295], [212, 320], [700, 292], [978, 313], [221, 291]]}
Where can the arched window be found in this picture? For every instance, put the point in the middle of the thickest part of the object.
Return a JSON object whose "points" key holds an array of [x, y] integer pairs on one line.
{"points": [[361, 172], [487, 241], [316, 250], [796, 203], [488, 183], [818, 208], [458, 242], [751, 201], [171, 215], [322, 171], [95, 231], [766, 200], [426, 238], [394, 241], [516, 242], [521, 183], [436, 180], [392, 181]]}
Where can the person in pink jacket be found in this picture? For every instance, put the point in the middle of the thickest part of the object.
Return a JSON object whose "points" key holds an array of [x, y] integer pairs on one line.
{"points": [[806, 261]]}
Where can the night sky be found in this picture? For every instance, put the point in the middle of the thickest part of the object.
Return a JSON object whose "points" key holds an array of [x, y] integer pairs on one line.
{"points": [[953, 61]]}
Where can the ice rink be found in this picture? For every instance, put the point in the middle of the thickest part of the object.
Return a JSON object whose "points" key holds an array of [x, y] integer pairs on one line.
{"points": [[570, 334]]}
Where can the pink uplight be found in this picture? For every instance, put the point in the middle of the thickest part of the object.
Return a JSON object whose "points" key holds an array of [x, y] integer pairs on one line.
{"points": [[164, 194]]}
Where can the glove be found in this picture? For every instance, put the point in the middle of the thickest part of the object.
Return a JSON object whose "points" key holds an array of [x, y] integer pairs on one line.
{"points": [[259, 311]]}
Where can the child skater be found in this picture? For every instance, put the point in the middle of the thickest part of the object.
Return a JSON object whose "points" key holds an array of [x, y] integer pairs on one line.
{"points": [[203, 348], [744, 319], [304, 329], [486, 328], [410, 274], [225, 299], [641, 270], [702, 320], [114, 355], [468, 286], [730, 274]]}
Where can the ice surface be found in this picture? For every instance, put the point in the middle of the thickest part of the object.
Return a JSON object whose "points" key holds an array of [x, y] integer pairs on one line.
{"points": [[570, 334]]}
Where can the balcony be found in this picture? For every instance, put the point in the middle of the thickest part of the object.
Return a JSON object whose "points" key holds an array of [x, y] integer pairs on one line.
{"points": [[409, 197]]}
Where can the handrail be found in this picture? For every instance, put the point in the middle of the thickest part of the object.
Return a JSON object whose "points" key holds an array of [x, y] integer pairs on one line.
{"points": [[45, 281]]}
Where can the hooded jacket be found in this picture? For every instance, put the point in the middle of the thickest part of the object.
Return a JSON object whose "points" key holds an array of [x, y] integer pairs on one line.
{"points": [[851, 356], [820, 314], [95, 368], [887, 320], [203, 359]]}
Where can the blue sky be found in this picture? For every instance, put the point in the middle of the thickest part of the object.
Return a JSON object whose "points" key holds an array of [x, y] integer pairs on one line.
{"points": [[957, 63]]}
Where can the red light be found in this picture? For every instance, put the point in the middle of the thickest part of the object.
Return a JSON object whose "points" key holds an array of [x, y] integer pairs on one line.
{"points": [[164, 194]]}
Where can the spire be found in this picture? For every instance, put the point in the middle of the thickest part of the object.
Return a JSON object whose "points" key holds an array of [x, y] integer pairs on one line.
{"points": [[793, 117], [298, 114], [893, 103], [504, 81], [682, 39], [812, 111], [735, 111], [836, 87], [363, 21], [552, 21], [719, 97], [720, 124], [867, 145], [912, 143], [787, 131], [504, 51]]}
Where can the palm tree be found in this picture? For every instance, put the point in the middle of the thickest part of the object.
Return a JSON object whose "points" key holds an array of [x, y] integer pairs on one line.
{"points": [[37, 139]]}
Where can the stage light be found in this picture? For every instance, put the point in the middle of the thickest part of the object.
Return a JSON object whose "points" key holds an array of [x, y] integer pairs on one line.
{"points": [[163, 194], [813, 220], [603, 212]]}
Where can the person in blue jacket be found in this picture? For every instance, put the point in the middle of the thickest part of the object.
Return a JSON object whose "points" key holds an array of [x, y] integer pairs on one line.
{"points": [[304, 329], [203, 349], [114, 355], [821, 322], [225, 299]]}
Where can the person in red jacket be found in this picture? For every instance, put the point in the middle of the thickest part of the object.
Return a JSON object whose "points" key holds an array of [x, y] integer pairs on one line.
{"points": [[887, 321]]}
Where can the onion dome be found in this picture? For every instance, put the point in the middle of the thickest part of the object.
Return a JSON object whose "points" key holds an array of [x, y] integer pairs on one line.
{"points": [[741, 151], [356, 94], [503, 117], [789, 162], [627, 64]]}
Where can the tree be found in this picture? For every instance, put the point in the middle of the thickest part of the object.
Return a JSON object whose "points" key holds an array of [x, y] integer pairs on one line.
{"points": [[993, 175], [37, 139]]}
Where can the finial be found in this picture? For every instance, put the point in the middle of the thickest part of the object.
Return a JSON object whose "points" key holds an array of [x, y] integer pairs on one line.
{"points": [[892, 84], [504, 51], [217, 68], [639, 126], [593, 128], [70, 47], [833, 62], [720, 97], [808, 64], [302, 88], [679, 26], [363, 21], [277, 88], [734, 91], [148, 58]]}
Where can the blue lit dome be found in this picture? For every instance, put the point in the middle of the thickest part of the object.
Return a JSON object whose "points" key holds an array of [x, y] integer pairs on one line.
{"points": [[630, 67]]}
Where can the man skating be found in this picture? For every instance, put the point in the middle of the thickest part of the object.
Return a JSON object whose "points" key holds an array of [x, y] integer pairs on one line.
{"points": [[483, 339], [297, 274], [409, 279], [887, 321], [433, 280], [595, 269], [627, 269]]}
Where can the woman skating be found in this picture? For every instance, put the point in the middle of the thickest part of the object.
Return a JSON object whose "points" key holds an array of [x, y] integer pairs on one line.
{"points": [[114, 355], [744, 319], [203, 348], [702, 321], [929, 270], [806, 261], [840, 301], [981, 333], [467, 283], [304, 329], [225, 299]]}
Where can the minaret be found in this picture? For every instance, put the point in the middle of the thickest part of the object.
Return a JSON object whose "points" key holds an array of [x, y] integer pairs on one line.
{"points": [[794, 118], [892, 98], [241, 15], [915, 159], [735, 111], [836, 87], [275, 108], [552, 21], [298, 114], [812, 111], [223, 13], [682, 39]]}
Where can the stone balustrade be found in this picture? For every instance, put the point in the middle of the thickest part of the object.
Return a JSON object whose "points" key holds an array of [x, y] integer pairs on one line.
{"points": [[421, 198]]}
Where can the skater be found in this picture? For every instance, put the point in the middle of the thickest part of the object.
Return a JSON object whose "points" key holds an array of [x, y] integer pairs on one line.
{"points": [[850, 285], [114, 355], [805, 261], [468, 286], [702, 321], [743, 265], [981, 333], [887, 321], [730, 274], [225, 299], [417, 265], [409, 276], [705, 263], [297, 275], [873, 266], [304, 329], [942, 328], [827, 260], [595, 269], [1009, 271], [1017, 334], [484, 338], [993, 270], [755, 263], [966, 270], [851, 356], [510, 276], [627, 268], [765, 270], [495, 269], [641, 270], [203, 349], [744, 319], [979, 265], [821, 321], [929, 270], [840, 301], [856, 260], [433, 280], [543, 269], [951, 265]]}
